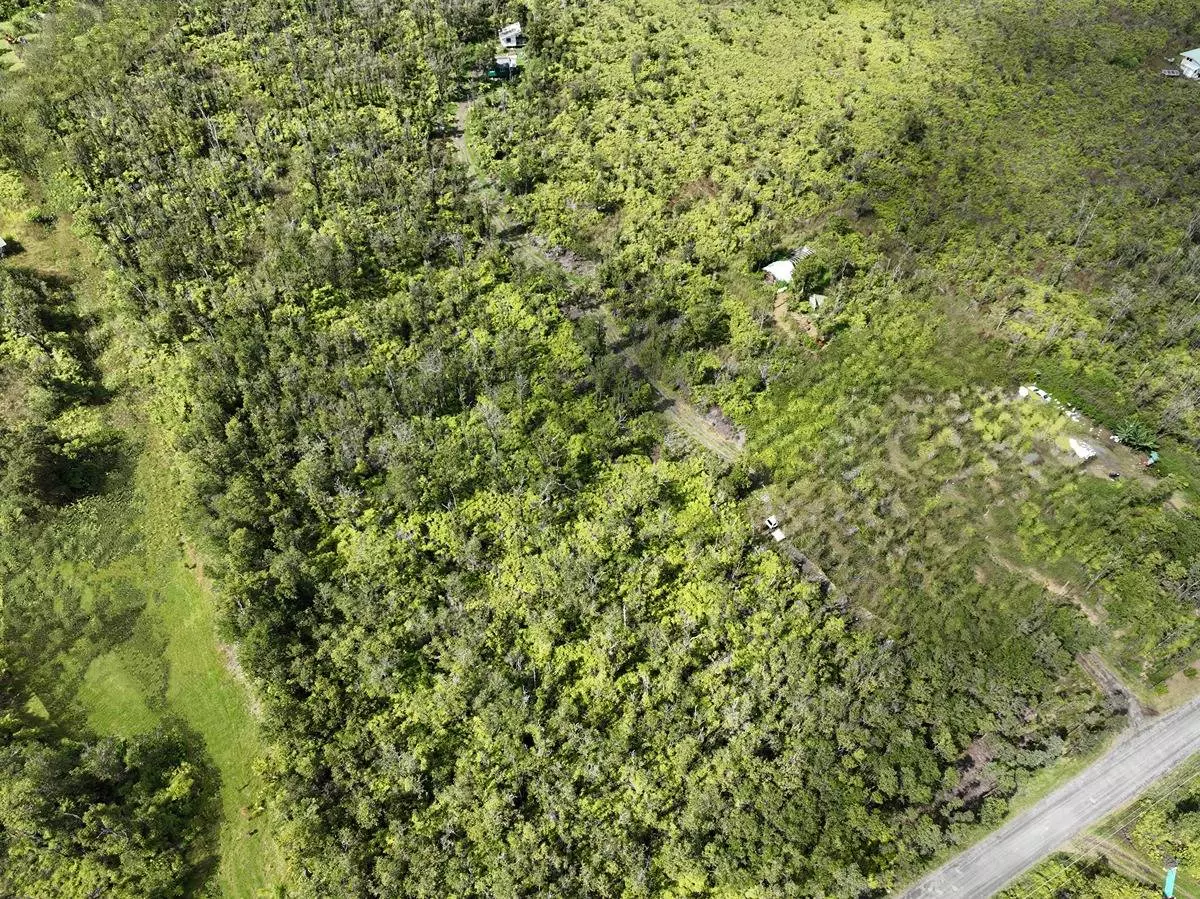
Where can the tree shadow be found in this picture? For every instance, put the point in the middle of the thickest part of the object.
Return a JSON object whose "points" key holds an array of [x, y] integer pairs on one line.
{"points": [[203, 853]]}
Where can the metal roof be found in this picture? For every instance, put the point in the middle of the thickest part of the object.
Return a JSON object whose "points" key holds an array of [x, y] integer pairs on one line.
{"points": [[1193, 55]]}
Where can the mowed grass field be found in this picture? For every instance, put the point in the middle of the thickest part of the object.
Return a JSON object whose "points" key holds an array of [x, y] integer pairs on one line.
{"points": [[133, 644], [130, 639], [173, 666]]}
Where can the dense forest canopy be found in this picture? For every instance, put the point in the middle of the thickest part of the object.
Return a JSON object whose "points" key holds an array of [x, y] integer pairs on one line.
{"points": [[510, 637]]}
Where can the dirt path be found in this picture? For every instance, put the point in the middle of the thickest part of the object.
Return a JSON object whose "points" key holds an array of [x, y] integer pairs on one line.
{"points": [[1050, 585], [1108, 681], [687, 418], [789, 320], [461, 111], [1095, 667], [503, 225]]}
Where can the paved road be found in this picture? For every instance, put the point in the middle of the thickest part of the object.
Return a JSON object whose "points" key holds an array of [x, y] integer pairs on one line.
{"points": [[1142, 756]]}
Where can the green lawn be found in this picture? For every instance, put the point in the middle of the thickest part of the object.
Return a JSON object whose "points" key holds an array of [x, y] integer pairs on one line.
{"points": [[132, 641], [173, 666], [114, 699]]}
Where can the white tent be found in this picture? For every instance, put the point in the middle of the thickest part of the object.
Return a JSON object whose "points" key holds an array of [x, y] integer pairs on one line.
{"points": [[1081, 449], [781, 271]]}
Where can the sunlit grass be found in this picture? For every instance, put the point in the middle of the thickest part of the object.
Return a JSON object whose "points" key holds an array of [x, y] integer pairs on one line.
{"points": [[175, 639], [131, 642]]}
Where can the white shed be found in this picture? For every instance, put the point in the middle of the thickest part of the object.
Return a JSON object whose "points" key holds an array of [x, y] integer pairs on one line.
{"points": [[511, 36], [3, 245], [1189, 63]]}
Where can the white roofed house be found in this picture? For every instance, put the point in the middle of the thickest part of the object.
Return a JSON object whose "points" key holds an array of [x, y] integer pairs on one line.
{"points": [[511, 36], [1189, 63]]}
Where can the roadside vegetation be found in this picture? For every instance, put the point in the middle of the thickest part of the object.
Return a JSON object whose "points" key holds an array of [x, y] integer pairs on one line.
{"points": [[1127, 855], [509, 634]]}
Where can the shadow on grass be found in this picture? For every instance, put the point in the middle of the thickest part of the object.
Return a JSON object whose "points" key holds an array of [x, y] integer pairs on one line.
{"points": [[200, 850]]}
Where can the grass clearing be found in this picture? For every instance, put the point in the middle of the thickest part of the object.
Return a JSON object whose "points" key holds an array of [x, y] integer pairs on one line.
{"points": [[133, 639], [114, 698], [172, 666]]}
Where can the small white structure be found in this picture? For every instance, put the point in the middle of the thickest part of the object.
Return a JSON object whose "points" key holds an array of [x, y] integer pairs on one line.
{"points": [[1189, 63], [816, 301], [1033, 390], [772, 523], [780, 271], [504, 67], [3, 245], [1081, 449], [778, 535], [511, 36]]}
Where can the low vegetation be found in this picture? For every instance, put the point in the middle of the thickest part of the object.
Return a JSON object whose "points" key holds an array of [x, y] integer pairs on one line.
{"points": [[1127, 855], [79, 814], [130, 751]]}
